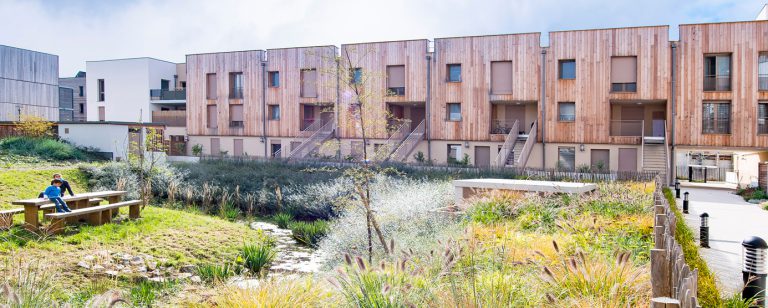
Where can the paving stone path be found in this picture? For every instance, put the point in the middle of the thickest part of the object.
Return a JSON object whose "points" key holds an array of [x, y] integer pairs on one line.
{"points": [[731, 219]]}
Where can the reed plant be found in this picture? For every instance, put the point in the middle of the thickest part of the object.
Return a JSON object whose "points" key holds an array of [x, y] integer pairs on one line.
{"points": [[257, 257]]}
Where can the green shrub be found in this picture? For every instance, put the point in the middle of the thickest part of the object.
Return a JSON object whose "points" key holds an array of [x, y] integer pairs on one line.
{"points": [[282, 220], [143, 294], [229, 211], [490, 211], [215, 272], [257, 257], [45, 148], [309, 233], [709, 296]]}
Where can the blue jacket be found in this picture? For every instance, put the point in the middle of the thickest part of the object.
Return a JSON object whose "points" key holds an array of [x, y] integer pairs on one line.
{"points": [[52, 192]]}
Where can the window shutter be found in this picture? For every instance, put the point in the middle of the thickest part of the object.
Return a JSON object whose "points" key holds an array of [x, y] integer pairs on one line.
{"points": [[236, 112], [623, 69], [212, 119], [211, 86], [309, 83], [396, 76], [501, 77]]}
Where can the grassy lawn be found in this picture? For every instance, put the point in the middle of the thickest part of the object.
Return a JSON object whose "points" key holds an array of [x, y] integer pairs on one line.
{"points": [[173, 237], [18, 184]]}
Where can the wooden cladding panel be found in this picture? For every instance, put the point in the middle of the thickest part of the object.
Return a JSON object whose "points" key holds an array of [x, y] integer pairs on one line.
{"points": [[28, 65], [475, 55], [31, 98], [289, 62], [373, 59], [591, 90], [744, 41], [221, 64]]}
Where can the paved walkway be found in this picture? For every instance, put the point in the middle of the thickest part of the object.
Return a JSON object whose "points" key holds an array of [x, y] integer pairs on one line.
{"points": [[731, 219]]}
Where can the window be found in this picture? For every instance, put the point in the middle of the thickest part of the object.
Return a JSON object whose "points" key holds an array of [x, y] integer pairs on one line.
{"points": [[183, 84], [274, 79], [308, 83], [396, 80], [236, 116], [210, 81], [356, 75], [762, 71], [236, 85], [66, 130], [454, 111], [567, 69], [81, 91], [164, 84], [501, 77], [454, 153], [566, 158], [82, 108], [566, 111], [213, 121], [600, 159], [274, 112], [762, 117], [717, 72], [624, 74], [454, 72], [716, 118], [100, 84]]}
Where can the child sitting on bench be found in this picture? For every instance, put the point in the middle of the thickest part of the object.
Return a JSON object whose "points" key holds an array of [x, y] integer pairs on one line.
{"points": [[53, 193]]}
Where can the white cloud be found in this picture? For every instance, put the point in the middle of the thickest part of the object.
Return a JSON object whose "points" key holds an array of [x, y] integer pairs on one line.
{"points": [[92, 30]]}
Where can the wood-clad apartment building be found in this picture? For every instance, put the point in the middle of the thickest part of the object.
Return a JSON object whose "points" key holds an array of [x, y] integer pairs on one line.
{"points": [[621, 99]]}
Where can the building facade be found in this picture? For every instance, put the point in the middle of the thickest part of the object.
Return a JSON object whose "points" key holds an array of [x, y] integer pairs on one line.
{"points": [[622, 99], [79, 101], [29, 84]]}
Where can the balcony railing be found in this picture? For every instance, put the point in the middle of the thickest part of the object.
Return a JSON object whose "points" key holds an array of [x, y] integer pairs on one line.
{"points": [[717, 83], [168, 95], [716, 126], [626, 128], [236, 93], [505, 126], [762, 126], [624, 87], [170, 117], [762, 82]]}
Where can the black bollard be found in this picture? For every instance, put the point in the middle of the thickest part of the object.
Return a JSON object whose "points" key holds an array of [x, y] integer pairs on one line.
{"points": [[677, 189], [704, 231], [755, 254], [685, 203]]}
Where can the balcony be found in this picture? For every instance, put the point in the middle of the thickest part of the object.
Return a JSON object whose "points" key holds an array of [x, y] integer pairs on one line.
{"points": [[170, 117], [762, 82], [396, 91], [624, 87], [626, 128], [717, 83], [168, 95]]}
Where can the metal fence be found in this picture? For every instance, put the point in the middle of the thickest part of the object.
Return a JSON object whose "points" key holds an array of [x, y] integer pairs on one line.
{"points": [[701, 174]]}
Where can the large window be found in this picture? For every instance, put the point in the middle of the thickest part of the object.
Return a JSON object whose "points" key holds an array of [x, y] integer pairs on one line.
{"points": [[566, 158], [236, 85], [454, 153], [623, 74], [100, 86], [762, 71], [274, 112], [236, 115], [454, 111], [210, 86], [566, 111], [717, 72], [396, 80], [716, 118], [762, 117], [567, 69], [501, 77], [454, 73], [274, 79]]}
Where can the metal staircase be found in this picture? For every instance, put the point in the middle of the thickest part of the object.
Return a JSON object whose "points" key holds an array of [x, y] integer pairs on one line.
{"points": [[406, 147], [315, 135], [395, 139]]}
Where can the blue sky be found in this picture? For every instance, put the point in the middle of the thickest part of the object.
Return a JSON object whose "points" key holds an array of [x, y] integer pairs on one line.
{"points": [[82, 30]]}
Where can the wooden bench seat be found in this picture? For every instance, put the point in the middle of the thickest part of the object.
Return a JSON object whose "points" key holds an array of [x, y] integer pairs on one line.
{"points": [[95, 215], [6, 217]]}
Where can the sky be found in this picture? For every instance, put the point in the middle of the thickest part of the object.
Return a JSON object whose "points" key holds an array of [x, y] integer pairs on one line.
{"points": [[86, 30]]}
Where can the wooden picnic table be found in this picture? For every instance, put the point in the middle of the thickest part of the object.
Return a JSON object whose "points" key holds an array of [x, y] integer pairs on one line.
{"points": [[78, 201]]}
